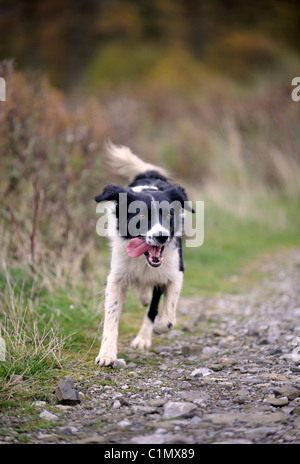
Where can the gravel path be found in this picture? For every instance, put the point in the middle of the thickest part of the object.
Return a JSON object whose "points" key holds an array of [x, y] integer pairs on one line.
{"points": [[229, 373]]}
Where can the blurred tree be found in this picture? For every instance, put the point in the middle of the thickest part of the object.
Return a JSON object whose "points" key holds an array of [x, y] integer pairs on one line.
{"points": [[62, 36]]}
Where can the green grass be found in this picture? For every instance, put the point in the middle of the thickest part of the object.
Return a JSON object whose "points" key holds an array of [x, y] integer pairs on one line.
{"points": [[232, 242], [52, 330]]}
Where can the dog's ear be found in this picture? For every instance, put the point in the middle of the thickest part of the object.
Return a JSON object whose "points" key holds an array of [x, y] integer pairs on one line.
{"points": [[110, 193], [178, 193]]}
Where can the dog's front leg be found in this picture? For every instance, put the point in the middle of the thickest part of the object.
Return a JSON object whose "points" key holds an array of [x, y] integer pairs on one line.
{"points": [[167, 320], [114, 299]]}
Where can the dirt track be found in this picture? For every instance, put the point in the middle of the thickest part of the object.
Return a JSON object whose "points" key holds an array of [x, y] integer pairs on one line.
{"points": [[229, 373]]}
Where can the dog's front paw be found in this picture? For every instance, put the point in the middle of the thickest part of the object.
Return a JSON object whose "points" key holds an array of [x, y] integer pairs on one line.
{"points": [[162, 325], [104, 360]]}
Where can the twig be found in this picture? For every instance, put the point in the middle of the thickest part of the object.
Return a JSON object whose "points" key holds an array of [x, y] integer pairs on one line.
{"points": [[35, 222]]}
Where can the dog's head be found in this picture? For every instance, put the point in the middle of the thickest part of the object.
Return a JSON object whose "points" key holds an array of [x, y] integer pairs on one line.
{"points": [[149, 220]]}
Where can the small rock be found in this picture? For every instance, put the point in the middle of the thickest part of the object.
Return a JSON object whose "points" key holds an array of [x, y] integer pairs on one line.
{"points": [[191, 349], [47, 415], [178, 409], [219, 332], [63, 407], [290, 392], [274, 331], [161, 438], [124, 423], [68, 430], [209, 351], [131, 365], [157, 402], [174, 334], [66, 394], [194, 396], [70, 379], [216, 367], [202, 372], [283, 401], [120, 363], [116, 404], [297, 422], [92, 439], [44, 436], [163, 349], [39, 404], [141, 409]]}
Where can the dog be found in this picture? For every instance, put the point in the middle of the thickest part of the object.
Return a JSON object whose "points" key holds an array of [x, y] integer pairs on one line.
{"points": [[146, 244]]}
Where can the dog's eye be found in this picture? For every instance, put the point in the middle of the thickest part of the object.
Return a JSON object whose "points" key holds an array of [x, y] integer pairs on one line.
{"points": [[142, 216]]}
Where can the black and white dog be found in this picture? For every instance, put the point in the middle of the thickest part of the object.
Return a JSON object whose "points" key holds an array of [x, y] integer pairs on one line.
{"points": [[146, 248]]}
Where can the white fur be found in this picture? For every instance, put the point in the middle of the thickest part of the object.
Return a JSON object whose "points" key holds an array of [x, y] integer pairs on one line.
{"points": [[127, 163], [154, 231], [140, 188]]}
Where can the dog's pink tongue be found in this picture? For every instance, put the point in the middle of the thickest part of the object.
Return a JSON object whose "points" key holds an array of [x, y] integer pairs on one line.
{"points": [[136, 247]]}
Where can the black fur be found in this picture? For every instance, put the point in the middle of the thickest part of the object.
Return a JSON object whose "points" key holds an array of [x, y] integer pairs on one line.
{"points": [[153, 309]]}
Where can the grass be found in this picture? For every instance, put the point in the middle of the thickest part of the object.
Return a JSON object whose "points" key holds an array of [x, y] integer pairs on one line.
{"points": [[232, 241]]}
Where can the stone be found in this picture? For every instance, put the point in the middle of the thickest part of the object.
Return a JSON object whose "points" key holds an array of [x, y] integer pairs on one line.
{"points": [[178, 409], [142, 409], [290, 392], [39, 404], [116, 404], [47, 415], [68, 430], [273, 331], [157, 402], [70, 379], [250, 418], [44, 436], [202, 372], [297, 422], [276, 401], [154, 439], [160, 439], [192, 349], [194, 396], [91, 439], [67, 395], [121, 363], [124, 423]]}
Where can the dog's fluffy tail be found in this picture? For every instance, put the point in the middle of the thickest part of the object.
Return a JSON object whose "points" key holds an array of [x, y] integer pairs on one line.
{"points": [[129, 165]]}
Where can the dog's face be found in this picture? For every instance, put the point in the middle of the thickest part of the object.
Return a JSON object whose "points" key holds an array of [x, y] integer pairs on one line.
{"points": [[148, 220]]}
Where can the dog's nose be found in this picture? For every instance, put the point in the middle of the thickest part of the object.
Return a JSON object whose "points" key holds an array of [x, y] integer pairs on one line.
{"points": [[161, 238]]}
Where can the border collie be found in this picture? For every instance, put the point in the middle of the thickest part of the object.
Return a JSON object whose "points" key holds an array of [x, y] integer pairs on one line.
{"points": [[146, 248]]}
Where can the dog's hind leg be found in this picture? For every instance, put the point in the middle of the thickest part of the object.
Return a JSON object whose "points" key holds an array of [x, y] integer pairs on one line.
{"points": [[143, 339], [114, 298]]}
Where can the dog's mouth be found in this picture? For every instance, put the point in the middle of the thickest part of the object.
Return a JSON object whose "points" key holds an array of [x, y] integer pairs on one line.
{"points": [[137, 246], [154, 255]]}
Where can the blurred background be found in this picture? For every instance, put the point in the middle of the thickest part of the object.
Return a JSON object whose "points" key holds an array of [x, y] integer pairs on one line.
{"points": [[202, 88]]}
